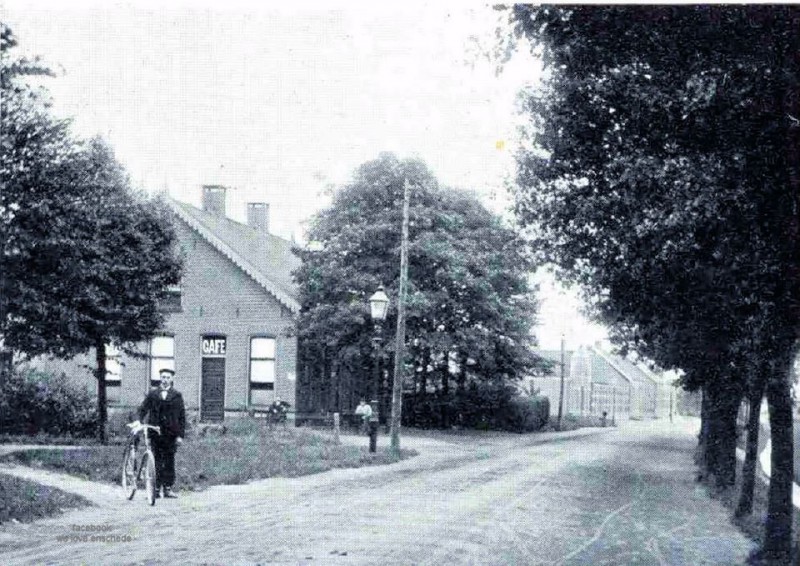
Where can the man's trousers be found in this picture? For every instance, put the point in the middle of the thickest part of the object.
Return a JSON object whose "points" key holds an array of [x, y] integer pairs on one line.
{"points": [[164, 449]]}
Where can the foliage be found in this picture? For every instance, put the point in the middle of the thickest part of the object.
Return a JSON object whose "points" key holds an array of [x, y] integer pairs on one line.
{"points": [[663, 177], [33, 403], [527, 414], [483, 406], [469, 304], [85, 260], [100, 260]]}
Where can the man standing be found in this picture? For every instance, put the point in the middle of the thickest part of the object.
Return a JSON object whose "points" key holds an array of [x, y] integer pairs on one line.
{"points": [[365, 412], [164, 408]]}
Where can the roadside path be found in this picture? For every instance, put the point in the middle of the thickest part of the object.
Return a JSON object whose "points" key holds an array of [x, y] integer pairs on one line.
{"points": [[615, 497]]}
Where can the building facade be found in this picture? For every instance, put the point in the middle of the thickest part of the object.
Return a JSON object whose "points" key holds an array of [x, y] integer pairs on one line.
{"points": [[229, 331], [597, 382]]}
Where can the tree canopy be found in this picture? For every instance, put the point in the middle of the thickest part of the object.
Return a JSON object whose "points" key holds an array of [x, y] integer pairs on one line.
{"points": [[469, 303], [663, 177], [85, 260]]}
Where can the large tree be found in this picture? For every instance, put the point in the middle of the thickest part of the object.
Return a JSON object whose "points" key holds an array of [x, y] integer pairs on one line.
{"points": [[31, 142], [470, 309], [85, 260], [664, 178]]}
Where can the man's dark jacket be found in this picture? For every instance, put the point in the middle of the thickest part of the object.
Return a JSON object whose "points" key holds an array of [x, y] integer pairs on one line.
{"points": [[169, 413]]}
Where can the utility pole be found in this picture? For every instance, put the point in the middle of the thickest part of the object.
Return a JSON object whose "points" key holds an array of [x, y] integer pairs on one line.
{"points": [[561, 394], [670, 403], [397, 388]]}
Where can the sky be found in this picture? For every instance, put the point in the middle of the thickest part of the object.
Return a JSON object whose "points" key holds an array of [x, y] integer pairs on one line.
{"points": [[278, 102]]}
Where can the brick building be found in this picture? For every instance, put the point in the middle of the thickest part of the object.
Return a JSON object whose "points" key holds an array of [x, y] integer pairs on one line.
{"points": [[228, 331], [596, 381]]}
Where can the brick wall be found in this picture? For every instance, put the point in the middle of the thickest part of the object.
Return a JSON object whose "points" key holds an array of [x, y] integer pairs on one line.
{"points": [[217, 298]]}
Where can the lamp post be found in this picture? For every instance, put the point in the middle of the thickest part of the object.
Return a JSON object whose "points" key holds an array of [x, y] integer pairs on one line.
{"points": [[378, 305]]}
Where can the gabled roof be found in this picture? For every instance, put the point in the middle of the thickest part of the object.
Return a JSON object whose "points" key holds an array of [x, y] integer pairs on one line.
{"points": [[267, 259], [609, 361], [603, 366], [633, 370]]}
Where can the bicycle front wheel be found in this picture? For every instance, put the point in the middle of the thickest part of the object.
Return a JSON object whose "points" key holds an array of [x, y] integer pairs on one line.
{"points": [[129, 472], [149, 466]]}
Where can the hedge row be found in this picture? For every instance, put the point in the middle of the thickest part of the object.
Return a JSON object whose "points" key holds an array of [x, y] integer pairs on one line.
{"points": [[482, 406], [32, 402]]}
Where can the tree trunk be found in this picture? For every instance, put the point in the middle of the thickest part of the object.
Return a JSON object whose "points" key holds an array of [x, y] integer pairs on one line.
{"points": [[462, 373], [6, 364], [423, 384], [778, 527], [102, 415], [445, 406], [722, 400], [745, 506], [701, 455]]}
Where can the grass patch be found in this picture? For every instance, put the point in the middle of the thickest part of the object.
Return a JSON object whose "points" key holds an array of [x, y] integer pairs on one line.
{"points": [[247, 451], [752, 525], [51, 440], [25, 501]]}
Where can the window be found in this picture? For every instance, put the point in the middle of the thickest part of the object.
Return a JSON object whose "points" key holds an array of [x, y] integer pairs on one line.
{"points": [[113, 366], [262, 371], [162, 355], [171, 299], [113, 374]]}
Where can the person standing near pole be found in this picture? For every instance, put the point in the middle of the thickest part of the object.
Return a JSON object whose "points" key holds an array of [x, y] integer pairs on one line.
{"points": [[365, 412], [163, 407]]}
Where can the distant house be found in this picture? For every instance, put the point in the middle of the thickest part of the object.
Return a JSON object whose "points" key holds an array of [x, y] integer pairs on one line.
{"points": [[596, 381], [227, 335]]}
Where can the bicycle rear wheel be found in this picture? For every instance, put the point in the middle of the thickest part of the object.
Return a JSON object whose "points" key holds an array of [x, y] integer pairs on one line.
{"points": [[149, 465], [129, 472]]}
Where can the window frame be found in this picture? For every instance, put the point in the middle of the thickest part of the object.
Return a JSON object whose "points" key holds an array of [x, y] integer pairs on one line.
{"points": [[155, 368], [113, 356], [261, 385], [172, 300]]}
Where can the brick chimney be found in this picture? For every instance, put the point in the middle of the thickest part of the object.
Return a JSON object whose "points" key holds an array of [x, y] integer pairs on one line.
{"points": [[214, 199], [258, 216]]}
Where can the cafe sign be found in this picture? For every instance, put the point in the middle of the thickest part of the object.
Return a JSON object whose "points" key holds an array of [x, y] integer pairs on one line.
{"points": [[214, 346]]}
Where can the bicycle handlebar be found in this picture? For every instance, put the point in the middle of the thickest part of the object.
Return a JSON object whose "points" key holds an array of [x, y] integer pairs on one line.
{"points": [[137, 428]]}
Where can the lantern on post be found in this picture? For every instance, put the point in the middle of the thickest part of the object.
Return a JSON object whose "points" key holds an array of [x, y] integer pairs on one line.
{"points": [[378, 305]]}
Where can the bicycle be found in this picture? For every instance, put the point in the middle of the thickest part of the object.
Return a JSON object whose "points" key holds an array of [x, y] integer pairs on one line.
{"points": [[132, 470]]}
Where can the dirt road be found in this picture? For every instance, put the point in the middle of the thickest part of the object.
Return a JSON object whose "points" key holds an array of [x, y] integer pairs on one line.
{"points": [[621, 497]]}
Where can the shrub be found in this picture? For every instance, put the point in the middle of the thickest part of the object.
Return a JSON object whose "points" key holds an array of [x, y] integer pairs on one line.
{"points": [[526, 414], [481, 405], [33, 402], [116, 424]]}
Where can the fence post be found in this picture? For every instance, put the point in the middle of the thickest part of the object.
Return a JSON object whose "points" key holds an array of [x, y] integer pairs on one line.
{"points": [[336, 438]]}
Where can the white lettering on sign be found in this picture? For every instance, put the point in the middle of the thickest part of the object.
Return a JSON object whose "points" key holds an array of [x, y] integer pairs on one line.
{"points": [[214, 347]]}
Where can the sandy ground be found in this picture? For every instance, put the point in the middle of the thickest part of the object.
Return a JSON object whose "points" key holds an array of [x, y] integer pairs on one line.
{"points": [[625, 496]]}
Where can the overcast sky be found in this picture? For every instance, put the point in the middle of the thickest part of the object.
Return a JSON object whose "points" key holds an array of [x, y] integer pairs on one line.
{"points": [[279, 101]]}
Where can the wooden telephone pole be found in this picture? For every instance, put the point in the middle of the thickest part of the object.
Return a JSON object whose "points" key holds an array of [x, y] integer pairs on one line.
{"points": [[397, 386], [561, 392]]}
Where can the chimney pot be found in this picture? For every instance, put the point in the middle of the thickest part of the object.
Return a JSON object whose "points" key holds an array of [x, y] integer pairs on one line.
{"points": [[258, 216], [214, 199]]}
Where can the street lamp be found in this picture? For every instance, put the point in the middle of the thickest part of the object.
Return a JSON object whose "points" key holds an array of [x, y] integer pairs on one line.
{"points": [[378, 305]]}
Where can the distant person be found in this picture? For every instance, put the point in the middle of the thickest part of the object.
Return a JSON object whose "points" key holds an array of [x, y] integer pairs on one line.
{"points": [[163, 407], [364, 410]]}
